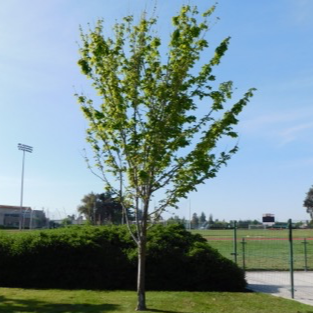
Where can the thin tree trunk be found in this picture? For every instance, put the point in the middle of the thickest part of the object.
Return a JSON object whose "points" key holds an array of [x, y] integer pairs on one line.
{"points": [[141, 290], [141, 274]]}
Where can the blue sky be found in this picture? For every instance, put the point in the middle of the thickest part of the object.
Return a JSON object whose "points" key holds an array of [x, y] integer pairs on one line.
{"points": [[271, 49]]}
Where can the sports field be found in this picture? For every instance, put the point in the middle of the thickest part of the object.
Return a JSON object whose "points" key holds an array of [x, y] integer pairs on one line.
{"points": [[264, 249]]}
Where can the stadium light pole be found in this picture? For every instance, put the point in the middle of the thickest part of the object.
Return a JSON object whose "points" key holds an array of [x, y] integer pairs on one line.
{"points": [[29, 149]]}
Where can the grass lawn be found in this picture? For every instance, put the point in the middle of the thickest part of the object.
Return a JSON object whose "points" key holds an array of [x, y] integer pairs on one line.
{"points": [[13, 300], [259, 233], [263, 249]]}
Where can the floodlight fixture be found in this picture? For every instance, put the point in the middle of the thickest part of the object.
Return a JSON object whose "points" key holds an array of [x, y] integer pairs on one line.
{"points": [[29, 149], [25, 148]]}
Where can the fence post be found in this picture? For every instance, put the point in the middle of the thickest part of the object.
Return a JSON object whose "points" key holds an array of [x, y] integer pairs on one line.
{"points": [[235, 242], [305, 254], [243, 242], [291, 259]]}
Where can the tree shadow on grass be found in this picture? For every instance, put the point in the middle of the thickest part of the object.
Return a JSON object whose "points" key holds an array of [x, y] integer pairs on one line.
{"points": [[8, 305], [162, 311], [11, 305]]}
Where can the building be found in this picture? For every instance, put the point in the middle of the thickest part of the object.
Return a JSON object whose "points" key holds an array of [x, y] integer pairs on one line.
{"points": [[10, 217]]}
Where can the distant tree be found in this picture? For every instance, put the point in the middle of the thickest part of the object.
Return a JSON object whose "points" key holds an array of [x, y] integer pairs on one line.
{"points": [[246, 223], [195, 221], [88, 207], [220, 224], [211, 220], [67, 221], [108, 209], [101, 208], [150, 128], [299, 224], [174, 220], [308, 202], [202, 218]]}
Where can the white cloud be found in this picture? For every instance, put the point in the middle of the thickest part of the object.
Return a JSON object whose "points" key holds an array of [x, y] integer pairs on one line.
{"points": [[293, 133], [272, 119], [296, 129], [282, 128]]}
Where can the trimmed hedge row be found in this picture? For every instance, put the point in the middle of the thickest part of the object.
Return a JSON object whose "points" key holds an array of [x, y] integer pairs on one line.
{"points": [[106, 258]]}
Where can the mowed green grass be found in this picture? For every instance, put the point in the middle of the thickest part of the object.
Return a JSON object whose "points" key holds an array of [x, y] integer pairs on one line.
{"points": [[260, 233], [14, 300], [263, 249]]}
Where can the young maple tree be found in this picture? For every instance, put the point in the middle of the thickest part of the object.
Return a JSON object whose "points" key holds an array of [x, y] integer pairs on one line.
{"points": [[145, 128]]}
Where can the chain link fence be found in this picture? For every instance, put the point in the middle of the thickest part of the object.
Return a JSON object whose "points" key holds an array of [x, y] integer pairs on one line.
{"points": [[286, 248]]}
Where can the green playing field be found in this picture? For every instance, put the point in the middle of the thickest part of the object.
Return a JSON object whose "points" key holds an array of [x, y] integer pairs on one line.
{"points": [[264, 249]]}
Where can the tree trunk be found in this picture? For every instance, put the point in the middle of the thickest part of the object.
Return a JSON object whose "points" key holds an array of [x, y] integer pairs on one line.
{"points": [[141, 290]]}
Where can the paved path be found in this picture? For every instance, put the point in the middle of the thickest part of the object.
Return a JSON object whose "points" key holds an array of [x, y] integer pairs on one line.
{"points": [[278, 284]]}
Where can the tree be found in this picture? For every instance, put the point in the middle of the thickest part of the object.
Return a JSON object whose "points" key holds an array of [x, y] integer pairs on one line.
{"points": [[101, 209], [175, 220], [202, 218], [211, 220], [67, 221], [88, 207], [195, 220], [109, 210], [308, 202], [147, 130]]}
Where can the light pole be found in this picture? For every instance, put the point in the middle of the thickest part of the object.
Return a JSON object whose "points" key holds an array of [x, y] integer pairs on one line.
{"points": [[29, 149]]}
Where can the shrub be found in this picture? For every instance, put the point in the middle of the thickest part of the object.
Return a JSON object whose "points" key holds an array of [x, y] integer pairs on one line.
{"points": [[179, 260], [105, 258], [78, 257]]}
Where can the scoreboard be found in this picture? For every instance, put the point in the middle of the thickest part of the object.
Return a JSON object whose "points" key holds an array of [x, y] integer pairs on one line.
{"points": [[268, 218]]}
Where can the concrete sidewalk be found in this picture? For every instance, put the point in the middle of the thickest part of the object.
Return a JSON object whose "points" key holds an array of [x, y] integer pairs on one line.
{"points": [[278, 284]]}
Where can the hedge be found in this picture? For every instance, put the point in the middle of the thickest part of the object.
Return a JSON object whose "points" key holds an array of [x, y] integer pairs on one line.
{"points": [[105, 258]]}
